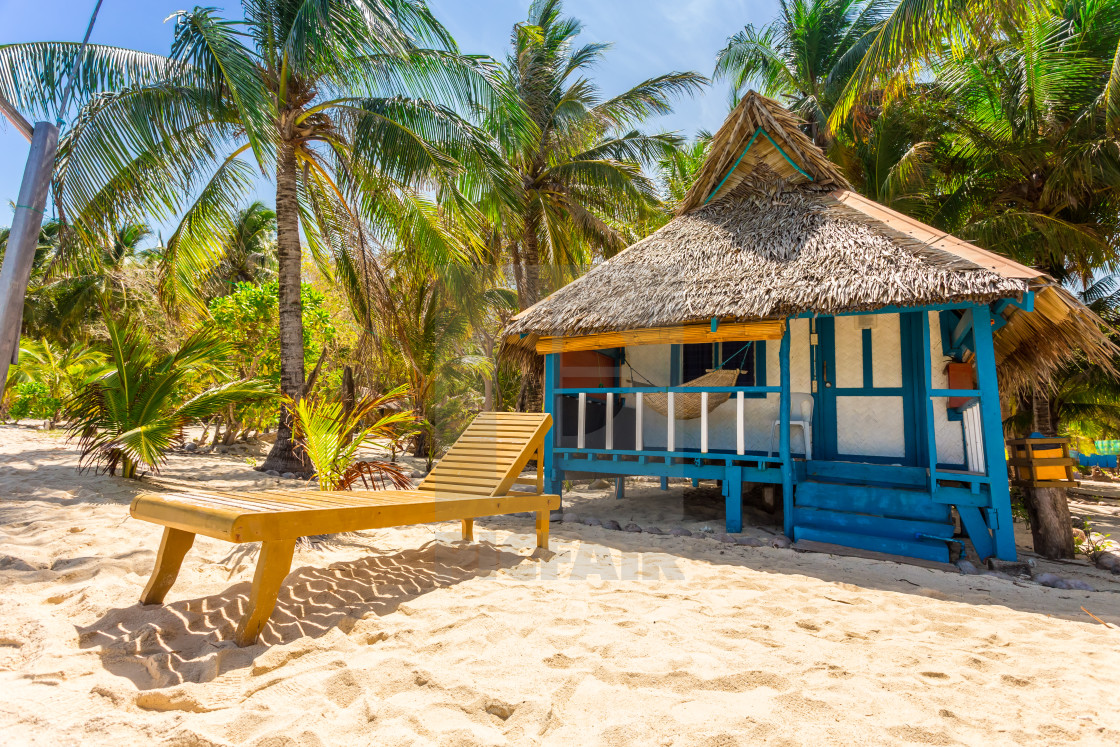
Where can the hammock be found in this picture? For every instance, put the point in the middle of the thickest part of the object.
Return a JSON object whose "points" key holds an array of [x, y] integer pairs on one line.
{"points": [[687, 406]]}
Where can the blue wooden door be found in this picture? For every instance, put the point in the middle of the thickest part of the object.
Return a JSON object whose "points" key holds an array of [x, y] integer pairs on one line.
{"points": [[823, 354], [825, 391]]}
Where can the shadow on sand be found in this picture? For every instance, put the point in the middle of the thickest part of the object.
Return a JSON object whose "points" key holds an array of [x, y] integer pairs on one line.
{"points": [[191, 640]]}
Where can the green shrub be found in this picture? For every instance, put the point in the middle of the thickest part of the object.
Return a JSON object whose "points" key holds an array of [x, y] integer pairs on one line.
{"points": [[33, 400]]}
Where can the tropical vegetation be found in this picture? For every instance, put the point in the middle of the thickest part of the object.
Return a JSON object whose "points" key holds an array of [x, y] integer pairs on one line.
{"points": [[127, 419], [423, 195], [335, 435]]}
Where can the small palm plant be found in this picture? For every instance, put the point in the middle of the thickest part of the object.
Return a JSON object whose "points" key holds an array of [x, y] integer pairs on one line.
{"points": [[132, 415], [54, 373], [333, 436]]}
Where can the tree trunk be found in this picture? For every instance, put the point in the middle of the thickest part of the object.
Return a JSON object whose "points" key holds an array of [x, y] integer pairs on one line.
{"points": [[424, 441], [530, 263], [1048, 507], [487, 394], [284, 457], [349, 393], [1050, 522], [1041, 413]]}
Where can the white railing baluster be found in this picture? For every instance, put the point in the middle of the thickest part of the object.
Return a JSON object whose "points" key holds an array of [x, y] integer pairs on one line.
{"points": [[610, 420], [638, 423], [703, 422], [740, 435], [581, 437], [672, 440]]}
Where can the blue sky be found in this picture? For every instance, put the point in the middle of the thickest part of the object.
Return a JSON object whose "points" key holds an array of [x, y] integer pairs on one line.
{"points": [[650, 37]]}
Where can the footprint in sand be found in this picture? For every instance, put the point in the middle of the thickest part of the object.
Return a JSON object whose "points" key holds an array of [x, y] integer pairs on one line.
{"points": [[919, 735]]}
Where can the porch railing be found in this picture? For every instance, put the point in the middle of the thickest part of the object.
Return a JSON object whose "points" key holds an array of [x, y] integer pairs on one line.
{"points": [[740, 393]]}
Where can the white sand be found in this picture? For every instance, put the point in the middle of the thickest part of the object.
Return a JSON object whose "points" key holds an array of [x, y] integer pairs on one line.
{"points": [[409, 637]]}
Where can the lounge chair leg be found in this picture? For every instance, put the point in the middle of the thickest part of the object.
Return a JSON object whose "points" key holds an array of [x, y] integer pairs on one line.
{"points": [[468, 530], [272, 568], [172, 548], [542, 529]]}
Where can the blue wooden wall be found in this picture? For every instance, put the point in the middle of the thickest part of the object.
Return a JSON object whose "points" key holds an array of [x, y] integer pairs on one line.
{"points": [[902, 508]]}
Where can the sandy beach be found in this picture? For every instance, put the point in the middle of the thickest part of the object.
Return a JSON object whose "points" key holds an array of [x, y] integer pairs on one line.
{"points": [[409, 636]]}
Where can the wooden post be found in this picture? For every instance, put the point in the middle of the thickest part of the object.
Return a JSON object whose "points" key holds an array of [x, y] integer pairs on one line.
{"points": [[740, 433], [638, 423], [273, 565], [671, 438], [619, 488], [581, 430], [784, 403], [995, 458], [173, 548], [23, 240], [703, 422], [733, 499], [610, 421], [554, 478], [542, 529], [925, 406]]}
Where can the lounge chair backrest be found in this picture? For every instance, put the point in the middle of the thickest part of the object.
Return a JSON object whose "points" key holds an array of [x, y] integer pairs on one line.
{"points": [[490, 454]]}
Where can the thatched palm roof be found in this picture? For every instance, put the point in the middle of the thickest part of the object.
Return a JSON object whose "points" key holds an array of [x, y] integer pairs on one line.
{"points": [[771, 230]]}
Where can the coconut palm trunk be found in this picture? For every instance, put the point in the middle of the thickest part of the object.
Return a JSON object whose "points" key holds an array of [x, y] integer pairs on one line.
{"points": [[531, 260], [1048, 508], [283, 456]]}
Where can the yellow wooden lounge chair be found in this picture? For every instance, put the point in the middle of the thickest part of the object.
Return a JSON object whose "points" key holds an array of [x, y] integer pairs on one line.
{"points": [[471, 481]]}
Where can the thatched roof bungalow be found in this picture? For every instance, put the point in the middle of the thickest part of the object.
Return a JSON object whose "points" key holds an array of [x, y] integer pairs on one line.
{"points": [[661, 359], [777, 231]]}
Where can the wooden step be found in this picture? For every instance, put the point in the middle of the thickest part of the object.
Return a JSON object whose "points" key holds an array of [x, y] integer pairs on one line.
{"points": [[900, 503], [925, 549]]}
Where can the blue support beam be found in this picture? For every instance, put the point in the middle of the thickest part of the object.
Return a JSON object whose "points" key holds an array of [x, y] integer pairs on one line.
{"points": [[995, 456], [784, 404], [926, 425], [868, 365], [977, 530], [961, 331], [553, 477], [733, 499]]}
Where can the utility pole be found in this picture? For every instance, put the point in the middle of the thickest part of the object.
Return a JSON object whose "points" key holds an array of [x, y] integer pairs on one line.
{"points": [[24, 236], [28, 220]]}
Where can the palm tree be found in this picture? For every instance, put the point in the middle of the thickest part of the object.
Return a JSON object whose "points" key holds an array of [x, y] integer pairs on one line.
{"points": [[428, 322], [128, 418], [806, 56], [63, 371], [578, 157], [334, 99], [677, 172], [1007, 143], [52, 373], [1084, 399], [334, 434], [248, 250], [66, 288]]}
